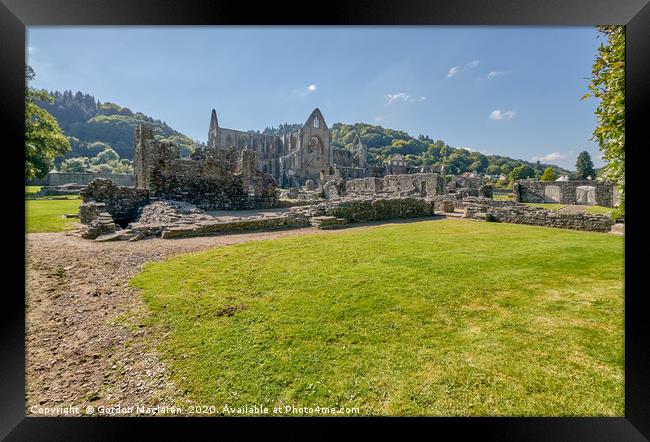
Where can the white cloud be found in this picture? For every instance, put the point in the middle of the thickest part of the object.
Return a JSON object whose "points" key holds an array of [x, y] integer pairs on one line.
{"points": [[31, 49], [456, 69], [499, 115], [404, 96], [306, 90], [493, 74], [553, 156], [453, 71]]}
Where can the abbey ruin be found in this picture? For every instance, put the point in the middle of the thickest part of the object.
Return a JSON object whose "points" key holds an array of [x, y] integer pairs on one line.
{"points": [[294, 157], [299, 179]]}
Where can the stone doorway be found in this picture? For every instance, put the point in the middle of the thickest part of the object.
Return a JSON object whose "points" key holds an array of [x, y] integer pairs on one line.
{"points": [[552, 194], [423, 189], [586, 195]]}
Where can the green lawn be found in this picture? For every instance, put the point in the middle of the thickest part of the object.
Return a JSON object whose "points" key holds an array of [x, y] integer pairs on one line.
{"points": [[46, 215], [507, 197], [31, 190], [600, 210], [444, 317]]}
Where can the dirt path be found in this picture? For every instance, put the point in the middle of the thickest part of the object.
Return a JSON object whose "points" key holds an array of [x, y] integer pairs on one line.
{"points": [[85, 345], [574, 208]]}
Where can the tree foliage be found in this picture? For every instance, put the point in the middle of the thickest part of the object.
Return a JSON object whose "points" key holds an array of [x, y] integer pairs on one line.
{"points": [[608, 85], [106, 161], [548, 175], [521, 172], [384, 143], [91, 125], [44, 139], [584, 166]]}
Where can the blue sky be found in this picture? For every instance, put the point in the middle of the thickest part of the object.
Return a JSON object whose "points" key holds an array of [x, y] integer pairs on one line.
{"points": [[511, 91]]}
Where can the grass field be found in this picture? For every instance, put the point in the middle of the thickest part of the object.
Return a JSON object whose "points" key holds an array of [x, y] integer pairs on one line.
{"points": [[31, 190], [600, 210], [498, 197], [444, 317], [45, 214]]}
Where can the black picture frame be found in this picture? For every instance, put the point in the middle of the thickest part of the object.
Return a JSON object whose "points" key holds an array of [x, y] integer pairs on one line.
{"points": [[15, 15]]}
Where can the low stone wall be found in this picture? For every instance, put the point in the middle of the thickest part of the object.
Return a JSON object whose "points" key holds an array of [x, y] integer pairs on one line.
{"points": [[563, 192], [415, 184], [65, 189], [517, 213], [122, 202], [267, 223], [58, 179], [368, 209]]}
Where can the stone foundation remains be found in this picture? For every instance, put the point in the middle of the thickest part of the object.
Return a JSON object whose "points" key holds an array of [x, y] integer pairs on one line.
{"points": [[518, 213], [121, 202], [367, 209], [416, 185]]}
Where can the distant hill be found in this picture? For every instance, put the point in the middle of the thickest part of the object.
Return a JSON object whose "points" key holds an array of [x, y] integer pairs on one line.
{"points": [[384, 143], [91, 126]]}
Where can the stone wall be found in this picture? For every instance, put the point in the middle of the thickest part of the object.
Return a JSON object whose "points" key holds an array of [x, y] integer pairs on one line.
{"points": [[216, 178], [415, 184], [517, 213], [588, 192], [59, 179], [121, 202], [368, 209]]}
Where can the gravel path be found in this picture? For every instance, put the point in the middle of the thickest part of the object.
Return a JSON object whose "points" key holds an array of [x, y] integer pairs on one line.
{"points": [[85, 343], [574, 208]]}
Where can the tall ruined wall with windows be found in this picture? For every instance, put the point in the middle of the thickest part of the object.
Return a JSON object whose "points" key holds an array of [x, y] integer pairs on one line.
{"points": [[293, 157]]}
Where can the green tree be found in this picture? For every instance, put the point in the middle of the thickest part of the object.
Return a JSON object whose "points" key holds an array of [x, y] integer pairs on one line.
{"points": [[521, 172], [548, 175], [584, 166], [75, 165], [107, 155], [493, 169], [608, 85], [44, 139], [506, 169]]}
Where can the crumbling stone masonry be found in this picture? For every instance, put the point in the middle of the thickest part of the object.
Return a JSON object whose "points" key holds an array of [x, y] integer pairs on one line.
{"points": [[367, 209], [518, 213], [170, 219], [296, 156], [96, 219], [121, 202], [589, 192], [219, 178], [416, 185]]}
